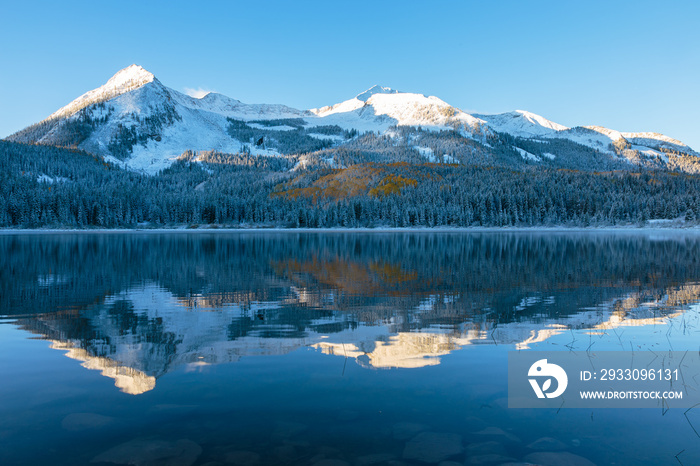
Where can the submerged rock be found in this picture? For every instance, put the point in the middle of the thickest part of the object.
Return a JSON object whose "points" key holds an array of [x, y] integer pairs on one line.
{"points": [[285, 429], [85, 421], [332, 462], [474, 423], [285, 453], [432, 447], [328, 451], [489, 459], [547, 444], [324, 453], [151, 452], [557, 458], [498, 433], [407, 430], [486, 448], [242, 458], [369, 460]]}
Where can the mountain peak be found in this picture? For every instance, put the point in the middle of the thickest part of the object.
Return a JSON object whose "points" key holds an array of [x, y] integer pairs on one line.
{"points": [[376, 89], [521, 123], [125, 80], [539, 120], [131, 76]]}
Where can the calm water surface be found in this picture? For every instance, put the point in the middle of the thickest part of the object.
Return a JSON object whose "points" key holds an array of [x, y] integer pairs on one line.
{"points": [[330, 348]]}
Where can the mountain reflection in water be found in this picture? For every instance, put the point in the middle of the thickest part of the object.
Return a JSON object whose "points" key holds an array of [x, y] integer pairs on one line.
{"points": [[137, 306]]}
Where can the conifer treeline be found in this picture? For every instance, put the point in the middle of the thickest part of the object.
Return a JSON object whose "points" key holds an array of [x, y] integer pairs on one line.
{"points": [[42, 186]]}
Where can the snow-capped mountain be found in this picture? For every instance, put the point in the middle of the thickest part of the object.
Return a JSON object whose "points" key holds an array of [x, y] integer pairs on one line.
{"points": [[522, 124], [525, 124], [379, 108], [125, 80], [135, 121]]}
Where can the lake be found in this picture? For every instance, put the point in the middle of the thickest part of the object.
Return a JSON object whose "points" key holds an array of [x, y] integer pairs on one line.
{"points": [[331, 348]]}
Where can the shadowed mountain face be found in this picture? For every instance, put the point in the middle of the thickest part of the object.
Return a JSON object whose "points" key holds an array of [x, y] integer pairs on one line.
{"points": [[136, 306]]}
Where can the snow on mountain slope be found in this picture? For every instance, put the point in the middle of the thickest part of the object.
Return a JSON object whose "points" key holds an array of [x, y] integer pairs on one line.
{"points": [[376, 89], [137, 122], [134, 77], [151, 123], [595, 137], [202, 125], [197, 131], [353, 104], [527, 156], [521, 123], [228, 107], [601, 138], [379, 108], [657, 141], [128, 79]]}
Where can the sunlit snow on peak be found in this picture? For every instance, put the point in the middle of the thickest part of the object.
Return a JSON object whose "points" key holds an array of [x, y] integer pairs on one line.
{"points": [[197, 93], [125, 80], [364, 96], [539, 120], [522, 123], [130, 75]]}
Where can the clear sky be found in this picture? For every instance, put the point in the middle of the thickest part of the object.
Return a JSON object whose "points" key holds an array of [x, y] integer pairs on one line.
{"points": [[627, 65]]}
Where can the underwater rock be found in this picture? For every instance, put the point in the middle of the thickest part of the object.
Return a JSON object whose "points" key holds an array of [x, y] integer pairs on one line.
{"points": [[475, 423], [547, 444], [285, 453], [284, 429], [152, 452], [489, 459], [432, 447], [499, 433], [242, 458], [486, 448], [331, 462], [375, 458], [85, 421], [557, 458], [325, 452], [407, 430]]}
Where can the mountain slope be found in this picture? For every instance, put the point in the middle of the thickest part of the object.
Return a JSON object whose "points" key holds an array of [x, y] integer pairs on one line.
{"points": [[379, 108], [135, 121], [123, 81], [522, 124]]}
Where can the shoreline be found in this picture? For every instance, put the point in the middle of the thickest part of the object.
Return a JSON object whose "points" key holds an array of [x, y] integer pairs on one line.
{"points": [[555, 229]]}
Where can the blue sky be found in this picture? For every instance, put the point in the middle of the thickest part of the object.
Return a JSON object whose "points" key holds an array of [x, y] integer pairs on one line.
{"points": [[630, 66]]}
